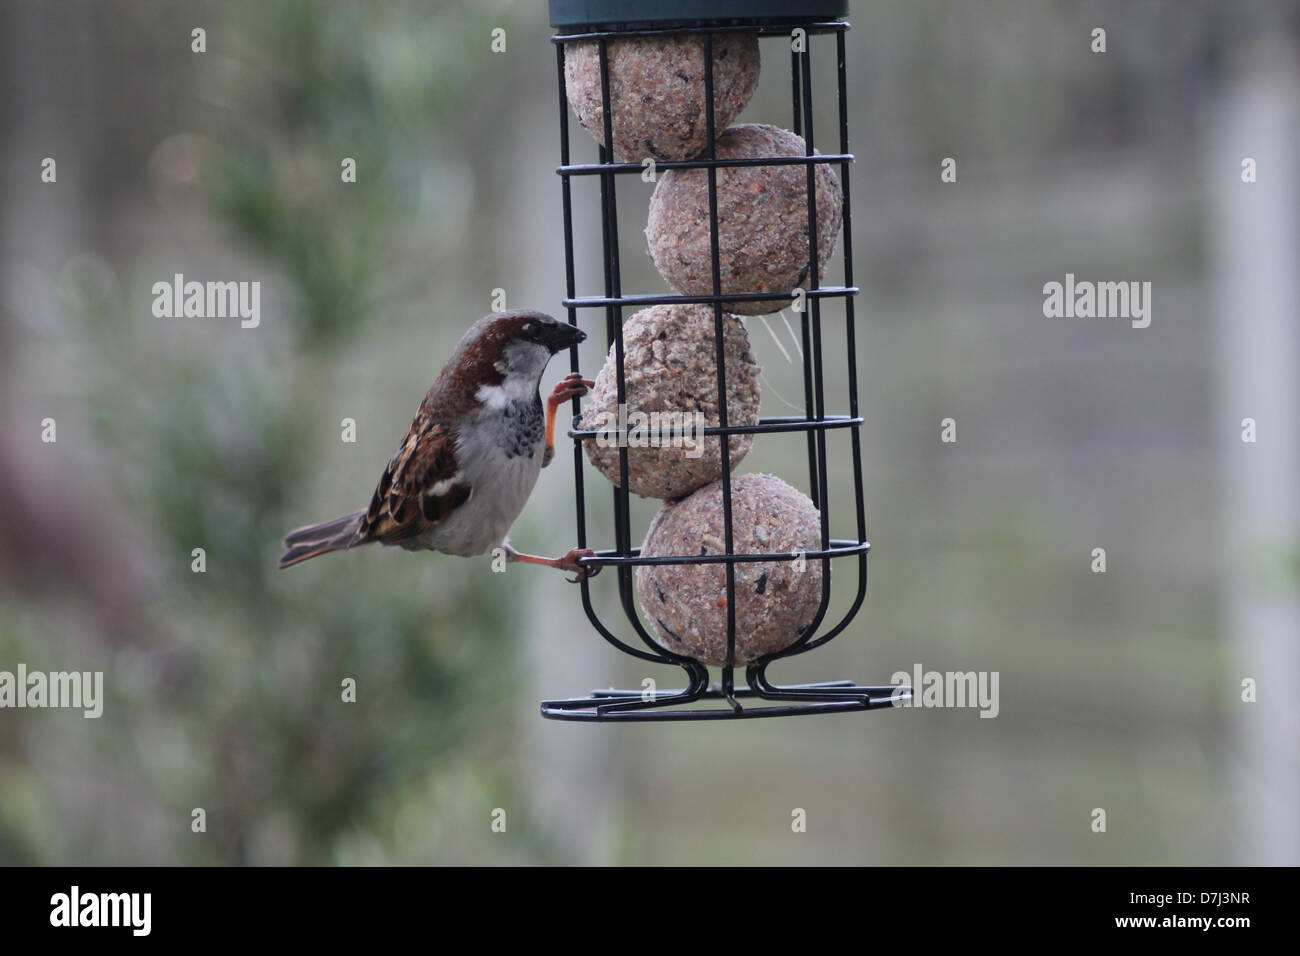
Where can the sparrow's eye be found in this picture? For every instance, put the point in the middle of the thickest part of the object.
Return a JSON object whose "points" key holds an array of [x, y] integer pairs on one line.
{"points": [[529, 328]]}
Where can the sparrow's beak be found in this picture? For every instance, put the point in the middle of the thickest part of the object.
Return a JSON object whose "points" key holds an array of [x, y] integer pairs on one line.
{"points": [[563, 335]]}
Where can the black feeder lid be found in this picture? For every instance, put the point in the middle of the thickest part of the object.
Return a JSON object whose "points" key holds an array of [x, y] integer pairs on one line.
{"points": [[632, 14]]}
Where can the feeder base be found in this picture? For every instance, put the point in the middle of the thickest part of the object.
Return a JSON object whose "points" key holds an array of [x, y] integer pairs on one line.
{"points": [[830, 697]]}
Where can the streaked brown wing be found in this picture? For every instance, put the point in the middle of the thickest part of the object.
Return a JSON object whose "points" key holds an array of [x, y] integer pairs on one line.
{"points": [[420, 486]]}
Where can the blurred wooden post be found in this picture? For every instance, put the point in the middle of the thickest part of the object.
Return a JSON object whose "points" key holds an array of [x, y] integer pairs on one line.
{"points": [[1254, 264]]}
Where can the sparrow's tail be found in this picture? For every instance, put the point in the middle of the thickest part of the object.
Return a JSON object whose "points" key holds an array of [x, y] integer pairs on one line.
{"points": [[318, 539]]}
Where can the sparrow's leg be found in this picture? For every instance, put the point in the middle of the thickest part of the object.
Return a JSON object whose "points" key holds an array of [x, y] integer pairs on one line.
{"points": [[567, 563], [571, 386]]}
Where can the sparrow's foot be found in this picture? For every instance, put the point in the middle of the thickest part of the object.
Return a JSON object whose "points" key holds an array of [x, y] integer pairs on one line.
{"points": [[571, 386], [569, 562], [581, 572]]}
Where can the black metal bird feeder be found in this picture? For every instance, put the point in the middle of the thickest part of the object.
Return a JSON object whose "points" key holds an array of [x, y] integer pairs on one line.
{"points": [[603, 21]]}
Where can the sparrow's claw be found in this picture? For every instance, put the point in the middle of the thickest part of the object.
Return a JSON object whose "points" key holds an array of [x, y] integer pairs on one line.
{"points": [[572, 385], [581, 572]]}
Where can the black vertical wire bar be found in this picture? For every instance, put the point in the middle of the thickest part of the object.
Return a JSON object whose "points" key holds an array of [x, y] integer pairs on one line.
{"points": [[814, 282], [796, 123], [813, 358], [614, 327], [571, 286], [697, 675], [614, 317], [720, 355], [757, 673], [806, 350], [614, 333], [851, 346], [850, 334]]}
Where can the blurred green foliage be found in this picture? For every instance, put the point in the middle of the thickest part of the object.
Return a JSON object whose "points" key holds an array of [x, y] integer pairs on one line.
{"points": [[243, 715]]}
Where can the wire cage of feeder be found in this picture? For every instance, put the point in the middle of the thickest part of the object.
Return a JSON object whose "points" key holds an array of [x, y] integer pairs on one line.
{"points": [[820, 24]]}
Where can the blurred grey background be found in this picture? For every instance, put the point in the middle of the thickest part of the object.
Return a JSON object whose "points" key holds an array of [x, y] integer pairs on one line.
{"points": [[1119, 690]]}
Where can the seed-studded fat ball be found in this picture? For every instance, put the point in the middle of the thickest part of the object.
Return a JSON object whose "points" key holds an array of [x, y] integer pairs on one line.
{"points": [[686, 604], [670, 376], [762, 221], [656, 91]]}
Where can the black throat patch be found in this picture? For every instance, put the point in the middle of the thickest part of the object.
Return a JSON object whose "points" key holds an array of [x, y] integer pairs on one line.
{"points": [[525, 423]]}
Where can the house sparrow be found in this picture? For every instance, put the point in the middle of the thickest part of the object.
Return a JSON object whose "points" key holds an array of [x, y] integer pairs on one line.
{"points": [[472, 455]]}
